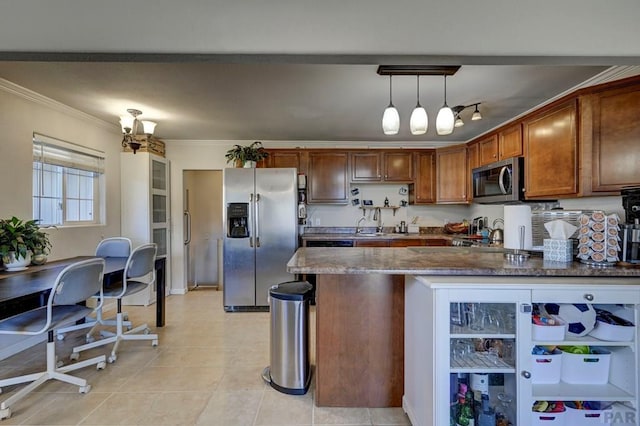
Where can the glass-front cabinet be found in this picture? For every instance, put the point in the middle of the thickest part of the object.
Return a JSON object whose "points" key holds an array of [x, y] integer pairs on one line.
{"points": [[145, 212], [497, 347]]}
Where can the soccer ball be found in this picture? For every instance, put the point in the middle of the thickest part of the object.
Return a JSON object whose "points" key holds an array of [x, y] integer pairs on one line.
{"points": [[580, 317]]}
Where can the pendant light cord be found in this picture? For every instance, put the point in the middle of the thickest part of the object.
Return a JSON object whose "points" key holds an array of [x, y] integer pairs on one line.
{"points": [[445, 91], [418, 91], [390, 91]]}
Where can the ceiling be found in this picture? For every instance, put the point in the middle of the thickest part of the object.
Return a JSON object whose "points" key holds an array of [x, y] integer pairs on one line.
{"points": [[311, 103]]}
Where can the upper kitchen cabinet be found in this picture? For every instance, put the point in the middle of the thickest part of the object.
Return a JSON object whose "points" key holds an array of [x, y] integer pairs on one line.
{"points": [[452, 175], [423, 191], [295, 158], [381, 166], [488, 150], [473, 161], [328, 177], [551, 152], [611, 136], [510, 142]]}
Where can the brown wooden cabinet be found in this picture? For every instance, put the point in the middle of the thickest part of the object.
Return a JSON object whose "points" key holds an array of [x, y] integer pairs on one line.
{"points": [[613, 115], [371, 243], [551, 152], [473, 161], [423, 191], [296, 158], [510, 142], [452, 174], [488, 150], [327, 180], [381, 166]]}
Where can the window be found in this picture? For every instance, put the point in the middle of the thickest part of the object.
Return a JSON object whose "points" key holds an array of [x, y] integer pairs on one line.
{"points": [[68, 183]]}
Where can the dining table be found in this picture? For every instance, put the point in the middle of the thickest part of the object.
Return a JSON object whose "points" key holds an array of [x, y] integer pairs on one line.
{"points": [[28, 289]]}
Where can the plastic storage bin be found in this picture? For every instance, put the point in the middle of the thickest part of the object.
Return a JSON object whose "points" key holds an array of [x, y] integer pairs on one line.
{"points": [[548, 419], [586, 369], [549, 333], [546, 369], [584, 417]]}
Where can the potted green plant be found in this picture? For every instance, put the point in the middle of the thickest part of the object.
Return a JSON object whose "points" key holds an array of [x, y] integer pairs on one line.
{"points": [[21, 241], [246, 156]]}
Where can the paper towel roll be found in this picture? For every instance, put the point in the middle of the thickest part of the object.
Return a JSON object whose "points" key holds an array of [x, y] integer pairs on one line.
{"points": [[514, 218]]}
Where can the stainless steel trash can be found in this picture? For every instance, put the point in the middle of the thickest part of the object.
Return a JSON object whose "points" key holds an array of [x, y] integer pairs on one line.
{"points": [[289, 370]]}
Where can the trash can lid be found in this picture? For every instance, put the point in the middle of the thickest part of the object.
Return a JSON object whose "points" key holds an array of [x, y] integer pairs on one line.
{"points": [[291, 290]]}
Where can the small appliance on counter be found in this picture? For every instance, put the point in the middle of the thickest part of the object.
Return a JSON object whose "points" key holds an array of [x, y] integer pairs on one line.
{"points": [[631, 229]]}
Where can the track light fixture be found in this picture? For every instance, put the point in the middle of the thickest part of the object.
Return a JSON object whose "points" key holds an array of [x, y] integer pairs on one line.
{"points": [[459, 108], [447, 118]]}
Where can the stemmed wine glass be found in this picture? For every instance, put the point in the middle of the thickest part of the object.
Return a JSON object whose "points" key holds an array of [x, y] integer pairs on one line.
{"points": [[502, 416]]}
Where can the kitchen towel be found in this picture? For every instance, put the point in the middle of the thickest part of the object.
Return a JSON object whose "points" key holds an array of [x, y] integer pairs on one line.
{"points": [[514, 218]]}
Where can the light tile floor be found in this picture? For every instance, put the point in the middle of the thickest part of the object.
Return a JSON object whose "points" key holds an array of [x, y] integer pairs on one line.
{"points": [[205, 371]]}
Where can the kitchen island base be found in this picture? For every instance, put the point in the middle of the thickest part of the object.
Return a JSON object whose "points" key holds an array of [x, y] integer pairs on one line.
{"points": [[359, 340]]}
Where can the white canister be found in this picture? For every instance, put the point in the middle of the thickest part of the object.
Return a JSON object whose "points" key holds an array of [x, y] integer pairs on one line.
{"points": [[479, 385]]}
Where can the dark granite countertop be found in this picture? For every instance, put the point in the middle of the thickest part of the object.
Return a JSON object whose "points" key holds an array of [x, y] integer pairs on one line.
{"points": [[476, 261], [369, 233]]}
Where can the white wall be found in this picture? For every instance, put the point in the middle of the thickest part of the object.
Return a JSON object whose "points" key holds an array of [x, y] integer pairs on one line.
{"points": [[21, 114]]}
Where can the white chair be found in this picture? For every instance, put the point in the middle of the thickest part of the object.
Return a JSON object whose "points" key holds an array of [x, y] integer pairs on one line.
{"points": [[108, 247], [139, 273], [74, 284]]}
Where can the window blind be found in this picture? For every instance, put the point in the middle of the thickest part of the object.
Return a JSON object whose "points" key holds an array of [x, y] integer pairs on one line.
{"points": [[47, 150]]}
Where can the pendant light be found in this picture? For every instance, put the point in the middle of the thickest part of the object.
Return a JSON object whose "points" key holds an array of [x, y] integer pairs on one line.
{"points": [[390, 118], [419, 121], [445, 119], [459, 122]]}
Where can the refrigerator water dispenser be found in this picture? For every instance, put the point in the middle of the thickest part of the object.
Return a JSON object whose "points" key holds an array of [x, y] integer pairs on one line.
{"points": [[238, 218]]}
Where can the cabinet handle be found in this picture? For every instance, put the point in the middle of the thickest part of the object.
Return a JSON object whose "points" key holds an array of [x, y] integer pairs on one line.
{"points": [[526, 374], [589, 297]]}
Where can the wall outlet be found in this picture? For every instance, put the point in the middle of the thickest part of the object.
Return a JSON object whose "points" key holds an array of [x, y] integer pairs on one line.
{"points": [[316, 221]]}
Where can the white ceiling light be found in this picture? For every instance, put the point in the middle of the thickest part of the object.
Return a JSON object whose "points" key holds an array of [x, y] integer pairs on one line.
{"points": [[458, 122], [445, 119], [130, 126], [390, 118], [419, 121], [476, 114]]}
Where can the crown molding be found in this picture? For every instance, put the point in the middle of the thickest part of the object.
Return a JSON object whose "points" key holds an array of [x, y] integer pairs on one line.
{"points": [[31, 96]]}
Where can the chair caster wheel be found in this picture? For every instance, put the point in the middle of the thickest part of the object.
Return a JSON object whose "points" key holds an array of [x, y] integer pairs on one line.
{"points": [[112, 359], [59, 364], [125, 316], [60, 336], [147, 330], [84, 389], [101, 365], [74, 356], [90, 339], [154, 343]]}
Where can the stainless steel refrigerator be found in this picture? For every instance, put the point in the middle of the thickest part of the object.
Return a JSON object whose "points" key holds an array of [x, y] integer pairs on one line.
{"points": [[260, 233]]}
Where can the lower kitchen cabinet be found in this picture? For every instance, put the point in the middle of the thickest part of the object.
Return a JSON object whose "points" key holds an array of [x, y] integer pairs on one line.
{"points": [[478, 331]]}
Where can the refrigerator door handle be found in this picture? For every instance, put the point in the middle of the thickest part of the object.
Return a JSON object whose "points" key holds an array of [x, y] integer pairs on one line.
{"points": [[257, 220], [251, 213], [187, 216]]}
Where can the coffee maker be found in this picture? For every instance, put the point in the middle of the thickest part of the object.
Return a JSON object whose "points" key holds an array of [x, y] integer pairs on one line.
{"points": [[631, 229]]}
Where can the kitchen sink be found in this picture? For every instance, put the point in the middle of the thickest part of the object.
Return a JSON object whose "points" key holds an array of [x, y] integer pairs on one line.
{"points": [[370, 234]]}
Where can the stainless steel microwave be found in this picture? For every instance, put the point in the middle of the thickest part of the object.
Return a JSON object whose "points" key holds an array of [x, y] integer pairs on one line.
{"points": [[499, 182]]}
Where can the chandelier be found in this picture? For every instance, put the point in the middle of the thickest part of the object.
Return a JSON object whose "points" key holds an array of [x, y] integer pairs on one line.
{"points": [[131, 127]]}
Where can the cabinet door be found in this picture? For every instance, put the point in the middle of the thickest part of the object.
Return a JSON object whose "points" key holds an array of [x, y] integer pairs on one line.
{"points": [[372, 243], [473, 160], [328, 178], [510, 142], [406, 243], [287, 158], [551, 152], [423, 191], [452, 175], [398, 166], [365, 166], [488, 150], [616, 138]]}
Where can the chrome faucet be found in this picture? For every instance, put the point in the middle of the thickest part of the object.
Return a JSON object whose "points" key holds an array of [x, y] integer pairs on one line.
{"points": [[379, 219], [358, 229]]}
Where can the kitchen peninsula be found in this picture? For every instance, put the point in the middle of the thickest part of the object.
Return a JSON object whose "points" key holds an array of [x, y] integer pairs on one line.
{"points": [[360, 312]]}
